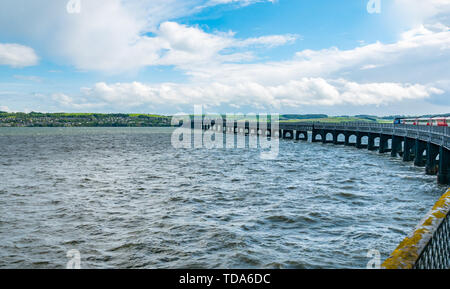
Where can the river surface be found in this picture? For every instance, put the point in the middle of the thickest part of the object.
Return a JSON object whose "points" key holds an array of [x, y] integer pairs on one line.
{"points": [[124, 198]]}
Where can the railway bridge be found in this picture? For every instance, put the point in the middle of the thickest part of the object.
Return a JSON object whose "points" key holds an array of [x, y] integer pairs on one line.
{"points": [[428, 246], [426, 146]]}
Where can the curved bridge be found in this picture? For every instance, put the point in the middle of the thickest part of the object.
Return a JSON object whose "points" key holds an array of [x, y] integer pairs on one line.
{"points": [[427, 146], [428, 247]]}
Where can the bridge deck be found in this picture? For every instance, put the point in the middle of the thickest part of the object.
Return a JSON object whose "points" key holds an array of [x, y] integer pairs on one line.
{"points": [[428, 247], [437, 135]]}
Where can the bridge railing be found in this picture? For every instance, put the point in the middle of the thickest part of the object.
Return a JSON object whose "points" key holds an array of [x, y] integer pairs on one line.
{"points": [[437, 135], [428, 247]]}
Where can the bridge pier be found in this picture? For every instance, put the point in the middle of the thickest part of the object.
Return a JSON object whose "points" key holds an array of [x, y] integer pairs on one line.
{"points": [[416, 140], [420, 147], [444, 166], [324, 136], [431, 167], [371, 143], [335, 137], [358, 141], [347, 138], [408, 147], [396, 146], [384, 147]]}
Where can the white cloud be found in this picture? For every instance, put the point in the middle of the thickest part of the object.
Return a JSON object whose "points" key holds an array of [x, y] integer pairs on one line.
{"points": [[16, 55], [294, 93], [235, 2], [113, 35], [190, 46], [403, 61], [310, 78], [242, 2], [116, 36], [68, 102], [28, 78], [268, 41], [173, 44], [413, 13]]}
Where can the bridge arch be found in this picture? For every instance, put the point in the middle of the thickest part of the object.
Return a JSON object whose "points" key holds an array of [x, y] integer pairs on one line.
{"points": [[376, 141], [351, 138], [365, 140], [302, 135], [412, 143], [340, 137], [288, 134]]}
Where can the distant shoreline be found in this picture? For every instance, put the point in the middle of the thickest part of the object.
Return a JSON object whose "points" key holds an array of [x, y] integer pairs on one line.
{"points": [[36, 119]]}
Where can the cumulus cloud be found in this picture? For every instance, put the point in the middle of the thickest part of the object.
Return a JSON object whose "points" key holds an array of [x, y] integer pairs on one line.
{"points": [[294, 93], [268, 41], [412, 13], [242, 2], [117, 36], [192, 46], [311, 78], [418, 51], [16, 55], [68, 102]]}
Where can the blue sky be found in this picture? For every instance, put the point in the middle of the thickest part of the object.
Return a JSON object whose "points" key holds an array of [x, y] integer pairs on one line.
{"points": [[165, 56]]}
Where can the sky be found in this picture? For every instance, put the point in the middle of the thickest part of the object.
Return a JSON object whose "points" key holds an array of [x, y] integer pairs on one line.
{"points": [[378, 57]]}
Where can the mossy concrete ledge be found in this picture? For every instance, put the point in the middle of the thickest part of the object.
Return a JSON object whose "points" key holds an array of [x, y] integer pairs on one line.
{"points": [[410, 249]]}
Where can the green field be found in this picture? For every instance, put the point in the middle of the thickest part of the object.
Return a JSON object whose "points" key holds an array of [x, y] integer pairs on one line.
{"points": [[35, 119]]}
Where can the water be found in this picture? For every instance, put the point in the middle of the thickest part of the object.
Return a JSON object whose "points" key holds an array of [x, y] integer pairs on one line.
{"points": [[126, 199]]}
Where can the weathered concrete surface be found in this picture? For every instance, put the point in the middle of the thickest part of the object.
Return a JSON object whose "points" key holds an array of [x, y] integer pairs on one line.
{"points": [[408, 252]]}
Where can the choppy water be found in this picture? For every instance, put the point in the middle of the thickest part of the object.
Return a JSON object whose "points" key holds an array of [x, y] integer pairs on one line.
{"points": [[126, 199]]}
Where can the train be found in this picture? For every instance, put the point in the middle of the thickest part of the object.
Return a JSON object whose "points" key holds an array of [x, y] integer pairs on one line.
{"points": [[427, 121]]}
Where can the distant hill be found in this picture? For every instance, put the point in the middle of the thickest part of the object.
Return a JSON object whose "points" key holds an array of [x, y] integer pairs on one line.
{"points": [[35, 119], [302, 116]]}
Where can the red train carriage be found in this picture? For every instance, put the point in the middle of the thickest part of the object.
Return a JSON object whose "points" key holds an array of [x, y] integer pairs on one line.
{"points": [[434, 121]]}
